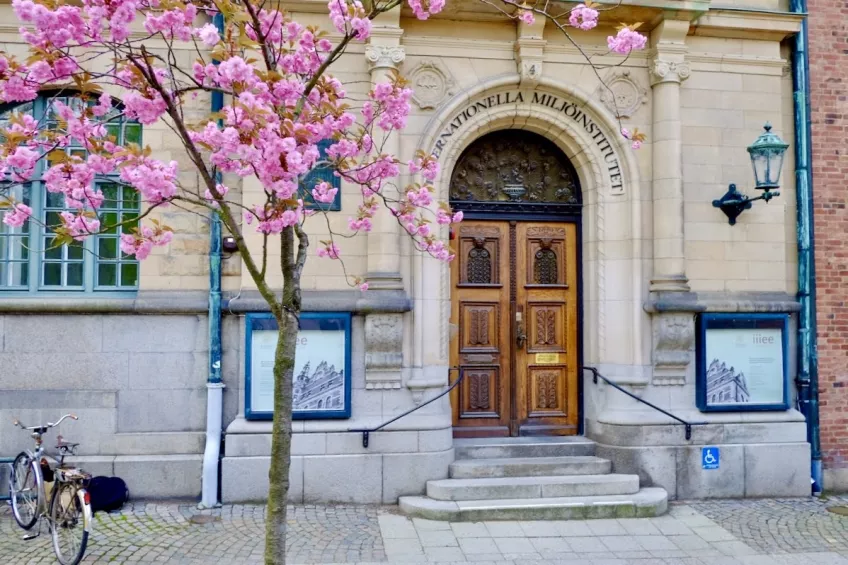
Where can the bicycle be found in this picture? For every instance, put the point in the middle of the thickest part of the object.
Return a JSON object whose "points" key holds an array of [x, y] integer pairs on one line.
{"points": [[34, 479]]}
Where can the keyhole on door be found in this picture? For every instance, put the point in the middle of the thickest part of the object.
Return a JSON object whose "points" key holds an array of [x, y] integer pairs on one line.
{"points": [[520, 335]]}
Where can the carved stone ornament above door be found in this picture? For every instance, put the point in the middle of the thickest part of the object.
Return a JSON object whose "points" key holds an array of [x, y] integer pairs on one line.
{"points": [[431, 84], [515, 170], [621, 94]]}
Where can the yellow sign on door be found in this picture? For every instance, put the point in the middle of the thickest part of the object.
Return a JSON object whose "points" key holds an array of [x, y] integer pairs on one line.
{"points": [[547, 358]]}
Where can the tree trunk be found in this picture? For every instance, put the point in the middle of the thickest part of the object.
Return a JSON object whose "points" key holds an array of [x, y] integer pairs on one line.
{"points": [[275, 525], [287, 321]]}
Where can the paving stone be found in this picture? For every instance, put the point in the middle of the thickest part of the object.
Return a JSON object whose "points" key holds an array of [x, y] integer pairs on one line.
{"points": [[470, 530]]}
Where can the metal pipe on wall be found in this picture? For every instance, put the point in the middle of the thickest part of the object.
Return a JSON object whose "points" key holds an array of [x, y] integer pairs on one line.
{"points": [[214, 384], [808, 366]]}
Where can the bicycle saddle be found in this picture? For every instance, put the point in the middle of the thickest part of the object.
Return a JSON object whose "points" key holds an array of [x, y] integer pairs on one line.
{"points": [[62, 444]]}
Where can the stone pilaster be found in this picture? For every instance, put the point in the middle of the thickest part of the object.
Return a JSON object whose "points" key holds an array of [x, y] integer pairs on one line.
{"points": [[385, 55], [668, 68], [530, 51]]}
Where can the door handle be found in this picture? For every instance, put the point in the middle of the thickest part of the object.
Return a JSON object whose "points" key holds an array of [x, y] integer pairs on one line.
{"points": [[520, 335]]}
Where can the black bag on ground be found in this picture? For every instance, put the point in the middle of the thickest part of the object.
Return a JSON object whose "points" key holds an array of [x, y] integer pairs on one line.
{"points": [[107, 493]]}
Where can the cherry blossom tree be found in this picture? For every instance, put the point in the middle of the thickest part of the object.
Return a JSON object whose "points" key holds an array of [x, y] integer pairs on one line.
{"points": [[280, 102]]}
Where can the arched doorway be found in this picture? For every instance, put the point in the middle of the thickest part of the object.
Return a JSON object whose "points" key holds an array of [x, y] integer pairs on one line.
{"points": [[515, 295]]}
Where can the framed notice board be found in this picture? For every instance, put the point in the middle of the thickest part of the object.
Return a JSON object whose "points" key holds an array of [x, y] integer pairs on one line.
{"points": [[742, 362], [322, 384]]}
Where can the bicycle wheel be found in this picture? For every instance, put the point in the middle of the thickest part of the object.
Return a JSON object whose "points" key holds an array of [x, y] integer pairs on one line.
{"points": [[25, 488], [67, 523]]}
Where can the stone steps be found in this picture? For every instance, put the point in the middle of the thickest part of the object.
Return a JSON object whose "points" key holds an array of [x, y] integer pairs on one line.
{"points": [[647, 502], [529, 467], [533, 478], [501, 448], [532, 487]]}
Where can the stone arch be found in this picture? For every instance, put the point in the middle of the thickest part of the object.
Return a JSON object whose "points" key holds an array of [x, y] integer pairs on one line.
{"points": [[612, 229]]}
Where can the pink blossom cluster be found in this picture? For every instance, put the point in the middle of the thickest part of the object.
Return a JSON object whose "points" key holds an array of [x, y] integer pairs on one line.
{"points": [[330, 250], [79, 226], [636, 141], [172, 24], [527, 17], [626, 40], [350, 17], [144, 240], [426, 165], [113, 15], [392, 105], [423, 9], [15, 86], [323, 192], [583, 17], [156, 181], [444, 217], [75, 180], [18, 216]]}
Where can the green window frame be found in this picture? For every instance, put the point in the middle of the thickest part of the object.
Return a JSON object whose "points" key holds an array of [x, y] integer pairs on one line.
{"points": [[323, 171], [30, 263]]}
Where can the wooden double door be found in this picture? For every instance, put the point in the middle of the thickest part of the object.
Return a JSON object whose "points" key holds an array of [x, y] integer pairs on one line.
{"points": [[514, 307]]}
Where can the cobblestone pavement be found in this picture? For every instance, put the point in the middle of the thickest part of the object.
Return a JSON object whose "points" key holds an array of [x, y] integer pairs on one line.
{"points": [[746, 532], [163, 533], [782, 526]]}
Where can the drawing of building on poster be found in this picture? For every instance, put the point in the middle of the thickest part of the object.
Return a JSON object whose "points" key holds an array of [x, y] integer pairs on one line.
{"points": [[725, 385], [321, 388]]}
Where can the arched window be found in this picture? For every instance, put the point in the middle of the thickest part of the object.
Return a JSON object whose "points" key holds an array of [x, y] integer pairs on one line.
{"points": [[29, 259]]}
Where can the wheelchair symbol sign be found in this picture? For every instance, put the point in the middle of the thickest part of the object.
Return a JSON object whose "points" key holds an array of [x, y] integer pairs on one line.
{"points": [[710, 457]]}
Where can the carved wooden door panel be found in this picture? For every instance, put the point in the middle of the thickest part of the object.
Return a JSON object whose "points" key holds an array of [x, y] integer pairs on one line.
{"points": [[481, 313], [546, 328]]}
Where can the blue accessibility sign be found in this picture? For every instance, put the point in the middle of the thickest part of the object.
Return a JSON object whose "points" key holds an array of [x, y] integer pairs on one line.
{"points": [[710, 457]]}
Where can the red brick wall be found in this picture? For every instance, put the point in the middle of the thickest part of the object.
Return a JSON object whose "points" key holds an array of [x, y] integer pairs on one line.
{"points": [[828, 43]]}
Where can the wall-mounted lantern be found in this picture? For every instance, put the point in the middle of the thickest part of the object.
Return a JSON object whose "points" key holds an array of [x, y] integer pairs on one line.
{"points": [[767, 159]]}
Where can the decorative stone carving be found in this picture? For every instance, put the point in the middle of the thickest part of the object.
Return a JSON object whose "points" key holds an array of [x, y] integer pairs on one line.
{"points": [[431, 84], [529, 54], [383, 351], [674, 342], [621, 94], [384, 56], [669, 71], [503, 159]]}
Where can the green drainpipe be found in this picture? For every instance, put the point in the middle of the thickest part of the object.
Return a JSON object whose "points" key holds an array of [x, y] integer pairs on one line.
{"points": [[808, 363], [214, 385]]}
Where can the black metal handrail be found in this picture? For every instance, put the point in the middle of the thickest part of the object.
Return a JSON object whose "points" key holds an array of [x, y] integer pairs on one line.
{"points": [[366, 432], [688, 425]]}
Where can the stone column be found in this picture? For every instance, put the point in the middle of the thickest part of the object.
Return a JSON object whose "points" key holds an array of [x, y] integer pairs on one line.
{"points": [[385, 55], [668, 69], [384, 332]]}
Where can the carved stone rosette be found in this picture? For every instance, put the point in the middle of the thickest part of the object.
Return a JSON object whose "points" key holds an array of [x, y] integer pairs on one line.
{"points": [[431, 84], [674, 346], [383, 351], [384, 56], [621, 94], [669, 71]]}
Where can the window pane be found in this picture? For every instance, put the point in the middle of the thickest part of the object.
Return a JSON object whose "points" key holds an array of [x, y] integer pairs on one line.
{"points": [[110, 192], [75, 250], [114, 131], [52, 250], [52, 274], [74, 274], [132, 134], [129, 274], [131, 199], [107, 247], [108, 222], [107, 274]]}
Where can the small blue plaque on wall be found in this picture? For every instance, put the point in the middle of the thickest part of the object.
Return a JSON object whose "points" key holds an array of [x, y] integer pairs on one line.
{"points": [[321, 387], [710, 457]]}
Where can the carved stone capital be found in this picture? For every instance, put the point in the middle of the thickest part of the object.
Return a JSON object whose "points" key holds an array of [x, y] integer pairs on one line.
{"points": [[384, 56], [674, 346], [383, 351], [668, 71]]}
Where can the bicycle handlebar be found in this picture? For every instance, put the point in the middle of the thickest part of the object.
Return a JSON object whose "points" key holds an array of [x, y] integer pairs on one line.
{"points": [[18, 423]]}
